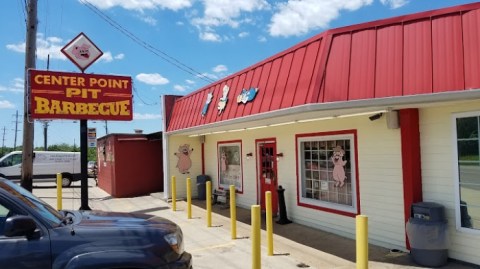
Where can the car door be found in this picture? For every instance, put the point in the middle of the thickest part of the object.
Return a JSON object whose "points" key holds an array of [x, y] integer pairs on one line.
{"points": [[18, 252]]}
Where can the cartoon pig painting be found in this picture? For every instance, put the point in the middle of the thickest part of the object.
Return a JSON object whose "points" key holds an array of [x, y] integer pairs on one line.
{"points": [[184, 162], [338, 166], [81, 52]]}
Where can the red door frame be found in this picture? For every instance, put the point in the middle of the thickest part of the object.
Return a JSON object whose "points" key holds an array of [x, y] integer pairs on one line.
{"points": [[272, 170]]}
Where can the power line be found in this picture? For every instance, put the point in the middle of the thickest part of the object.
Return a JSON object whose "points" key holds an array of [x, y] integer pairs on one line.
{"points": [[141, 99], [23, 7], [171, 60]]}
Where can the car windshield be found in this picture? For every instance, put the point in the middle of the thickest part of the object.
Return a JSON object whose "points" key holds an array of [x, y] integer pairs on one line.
{"points": [[46, 211]]}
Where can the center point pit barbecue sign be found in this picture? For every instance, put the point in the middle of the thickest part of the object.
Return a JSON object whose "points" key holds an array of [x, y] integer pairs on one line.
{"points": [[63, 95]]}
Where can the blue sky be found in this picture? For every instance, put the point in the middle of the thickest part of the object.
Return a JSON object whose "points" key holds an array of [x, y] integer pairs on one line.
{"points": [[210, 39]]}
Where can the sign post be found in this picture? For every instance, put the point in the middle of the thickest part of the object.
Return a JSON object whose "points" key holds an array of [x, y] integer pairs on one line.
{"points": [[82, 52]]}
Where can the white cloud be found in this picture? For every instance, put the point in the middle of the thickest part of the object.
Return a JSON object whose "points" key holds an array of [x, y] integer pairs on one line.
{"points": [[149, 20], [107, 57], [219, 68], [141, 5], [18, 83], [210, 36], [225, 13], [16, 86], [52, 46], [4, 104], [45, 46], [297, 17], [220, 12], [119, 56], [243, 34], [394, 3], [146, 116], [262, 39], [152, 79], [180, 88], [189, 81]]}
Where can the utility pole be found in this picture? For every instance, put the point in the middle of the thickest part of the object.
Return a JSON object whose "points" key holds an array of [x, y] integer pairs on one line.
{"points": [[106, 128], [45, 133], [30, 48], [3, 141], [16, 130]]}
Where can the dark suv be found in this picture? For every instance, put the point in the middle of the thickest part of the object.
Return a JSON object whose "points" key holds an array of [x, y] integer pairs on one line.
{"points": [[34, 235]]}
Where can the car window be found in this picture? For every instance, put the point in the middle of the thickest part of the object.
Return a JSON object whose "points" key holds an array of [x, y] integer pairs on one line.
{"points": [[5, 213], [3, 217], [12, 160], [47, 212]]}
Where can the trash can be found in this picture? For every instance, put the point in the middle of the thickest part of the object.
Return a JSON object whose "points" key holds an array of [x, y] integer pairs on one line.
{"points": [[427, 233], [201, 186]]}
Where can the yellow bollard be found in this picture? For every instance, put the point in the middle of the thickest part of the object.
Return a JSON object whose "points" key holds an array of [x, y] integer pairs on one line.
{"points": [[269, 222], [256, 254], [59, 191], [209, 203], [189, 198], [174, 194], [233, 212], [362, 241]]}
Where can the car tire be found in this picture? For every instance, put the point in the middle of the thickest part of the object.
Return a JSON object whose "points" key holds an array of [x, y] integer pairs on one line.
{"points": [[66, 180]]}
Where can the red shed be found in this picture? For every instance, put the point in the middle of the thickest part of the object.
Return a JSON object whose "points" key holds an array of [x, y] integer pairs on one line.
{"points": [[130, 164]]}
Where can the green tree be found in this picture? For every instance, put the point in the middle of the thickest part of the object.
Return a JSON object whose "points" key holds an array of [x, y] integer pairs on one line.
{"points": [[92, 154]]}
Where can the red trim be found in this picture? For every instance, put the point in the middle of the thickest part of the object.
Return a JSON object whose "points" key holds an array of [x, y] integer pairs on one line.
{"points": [[411, 162], [330, 210], [203, 158], [218, 164]]}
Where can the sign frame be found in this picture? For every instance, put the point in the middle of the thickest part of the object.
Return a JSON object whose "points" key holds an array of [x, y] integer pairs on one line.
{"points": [[76, 43], [79, 96]]}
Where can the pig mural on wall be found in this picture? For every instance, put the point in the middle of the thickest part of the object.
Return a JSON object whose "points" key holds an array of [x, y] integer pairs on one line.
{"points": [[184, 162]]}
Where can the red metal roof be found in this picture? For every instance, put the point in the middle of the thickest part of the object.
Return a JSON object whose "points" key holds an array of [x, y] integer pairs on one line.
{"points": [[424, 53]]}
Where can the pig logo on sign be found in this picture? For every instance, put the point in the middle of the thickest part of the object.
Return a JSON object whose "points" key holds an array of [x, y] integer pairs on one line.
{"points": [[81, 52]]}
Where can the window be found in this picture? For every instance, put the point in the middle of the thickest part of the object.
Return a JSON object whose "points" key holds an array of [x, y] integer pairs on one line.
{"points": [[467, 126], [12, 160], [327, 172], [230, 165]]}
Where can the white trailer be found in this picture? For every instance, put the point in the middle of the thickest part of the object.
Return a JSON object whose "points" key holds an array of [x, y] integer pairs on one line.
{"points": [[46, 165]]}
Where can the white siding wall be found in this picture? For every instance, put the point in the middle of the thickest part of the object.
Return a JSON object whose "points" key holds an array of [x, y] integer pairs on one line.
{"points": [[436, 130], [380, 176]]}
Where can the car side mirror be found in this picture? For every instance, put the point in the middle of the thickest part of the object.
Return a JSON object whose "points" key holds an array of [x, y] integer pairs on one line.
{"points": [[19, 225]]}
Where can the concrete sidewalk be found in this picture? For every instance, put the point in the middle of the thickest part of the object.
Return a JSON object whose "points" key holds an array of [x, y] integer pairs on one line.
{"points": [[212, 247]]}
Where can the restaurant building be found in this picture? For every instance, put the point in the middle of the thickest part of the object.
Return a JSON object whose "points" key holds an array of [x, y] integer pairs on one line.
{"points": [[364, 119]]}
